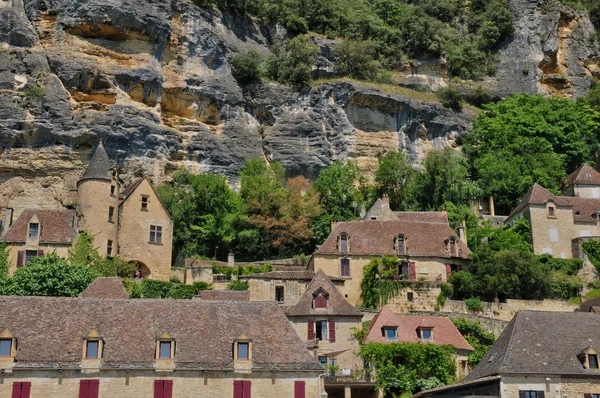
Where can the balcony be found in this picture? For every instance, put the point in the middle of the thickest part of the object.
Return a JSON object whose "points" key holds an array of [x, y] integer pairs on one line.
{"points": [[338, 377]]}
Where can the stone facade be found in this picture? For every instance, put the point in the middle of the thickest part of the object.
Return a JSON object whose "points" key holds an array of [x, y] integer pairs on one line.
{"points": [[554, 386]]}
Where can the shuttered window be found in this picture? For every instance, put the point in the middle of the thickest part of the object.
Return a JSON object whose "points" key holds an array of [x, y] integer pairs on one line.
{"points": [[299, 389], [311, 330], [332, 330], [163, 388], [242, 389], [412, 271], [89, 388], [21, 389], [448, 271]]}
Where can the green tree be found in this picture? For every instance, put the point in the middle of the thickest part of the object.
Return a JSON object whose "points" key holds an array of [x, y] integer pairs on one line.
{"points": [[478, 338], [246, 67], [357, 59], [392, 178], [451, 98], [83, 252], [4, 261], [300, 56]]}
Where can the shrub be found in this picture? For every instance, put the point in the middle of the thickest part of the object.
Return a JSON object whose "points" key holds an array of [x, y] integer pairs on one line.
{"points": [[238, 285], [245, 67], [480, 96], [4, 261], [202, 286], [591, 249], [132, 287], [357, 59], [451, 98], [592, 294], [174, 279], [295, 66], [463, 284], [155, 289], [36, 91], [474, 304], [180, 291]]}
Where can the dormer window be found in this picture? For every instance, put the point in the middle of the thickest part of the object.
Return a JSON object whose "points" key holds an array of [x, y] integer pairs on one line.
{"points": [[551, 212], [91, 350], [5, 347], [8, 345], [165, 347], [452, 244], [320, 299], [344, 244], [426, 334], [92, 345], [34, 230], [593, 361], [390, 332], [243, 351], [401, 245], [145, 202], [242, 348]]}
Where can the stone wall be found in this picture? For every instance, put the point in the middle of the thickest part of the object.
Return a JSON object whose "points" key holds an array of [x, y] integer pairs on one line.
{"points": [[491, 325], [553, 386], [140, 383], [506, 311], [13, 250]]}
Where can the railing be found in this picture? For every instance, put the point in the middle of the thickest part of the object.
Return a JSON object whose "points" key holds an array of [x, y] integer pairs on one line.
{"points": [[355, 377]]}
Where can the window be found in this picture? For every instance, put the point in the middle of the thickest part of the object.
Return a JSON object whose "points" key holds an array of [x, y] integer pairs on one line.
{"points": [[109, 247], [323, 360], [345, 267], [531, 394], [403, 270], [426, 334], [5, 347], [551, 211], [242, 388], [409, 297], [390, 333], [34, 229], [279, 297], [91, 349], [344, 244], [144, 202], [452, 243], [21, 389], [111, 213], [595, 395], [155, 234], [163, 388], [243, 351], [89, 388], [112, 190], [321, 330], [593, 361], [464, 368], [320, 301], [30, 255], [164, 350], [400, 249]]}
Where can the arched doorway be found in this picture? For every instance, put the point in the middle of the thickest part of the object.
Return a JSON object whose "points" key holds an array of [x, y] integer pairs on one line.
{"points": [[143, 268]]}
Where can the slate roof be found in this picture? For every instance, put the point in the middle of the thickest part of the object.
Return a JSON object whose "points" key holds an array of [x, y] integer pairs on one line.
{"points": [[423, 238], [540, 342], [588, 305], [227, 295], [584, 175], [583, 208], [288, 275], [57, 227], [336, 303], [99, 166], [124, 193], [50, 331], [444, 331], [105, 288]]}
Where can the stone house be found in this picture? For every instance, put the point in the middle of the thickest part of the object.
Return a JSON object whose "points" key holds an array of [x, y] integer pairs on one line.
{"points": [[284, 287], [387, 327], [99, 346], [539, 355], [560, 224], [427, 247], [326, 322], [132, 222]]}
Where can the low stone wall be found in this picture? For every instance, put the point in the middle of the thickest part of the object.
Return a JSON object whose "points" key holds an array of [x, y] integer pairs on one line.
{"points": [[506, 311], [491, 325]]}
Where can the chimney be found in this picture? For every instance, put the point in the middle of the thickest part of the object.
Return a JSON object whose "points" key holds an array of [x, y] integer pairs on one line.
{"points": [[492, 209], [8, 220], [385, 201], [462, 232], [333, 222], [363, 212], [231, 260]]}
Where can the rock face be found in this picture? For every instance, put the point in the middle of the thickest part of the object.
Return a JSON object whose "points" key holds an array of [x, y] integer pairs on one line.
{"points": [[553, 51], [152, 79]]}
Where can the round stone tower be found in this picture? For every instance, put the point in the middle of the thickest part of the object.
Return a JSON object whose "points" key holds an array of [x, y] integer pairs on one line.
{"points": [[98, 202]]}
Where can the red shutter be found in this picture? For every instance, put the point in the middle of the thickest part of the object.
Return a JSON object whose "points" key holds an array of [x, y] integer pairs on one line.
{"points": [[311, 329], [238, 391], [16, 391], [587, 395], [40, 253], [332, 330], [299, 389], [21, 258], [448, 271], [158, 389], [247, 385], [168, 389], [412, 271], [94, 388], [21, 389], [84, 389]]}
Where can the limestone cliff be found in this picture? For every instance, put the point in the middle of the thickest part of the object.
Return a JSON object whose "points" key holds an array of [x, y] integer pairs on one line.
{"points": [[152, 79]]}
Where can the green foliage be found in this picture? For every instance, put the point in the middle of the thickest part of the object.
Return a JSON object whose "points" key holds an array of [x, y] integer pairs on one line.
{"points": [[392, 178], [301, 260], [155, 289], [292, 62], [174, 279], [474, 304], [478, 338], [480, 96], [400, 366], [591, 248], [592, 294], [451, 98], [238, 285], [357, 59], [380, 283], [4, 261], [246, 67], [50, 275], [464, 284], [132, 287], [526, 139], [36, 91], [180, 291], [114, 266], [569, 266], [446, 291], [202, 286], [84, 252]]}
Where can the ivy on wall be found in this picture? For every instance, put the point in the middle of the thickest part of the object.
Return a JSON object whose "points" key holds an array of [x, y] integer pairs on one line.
{"points": [[378, 285], [591, 248]]}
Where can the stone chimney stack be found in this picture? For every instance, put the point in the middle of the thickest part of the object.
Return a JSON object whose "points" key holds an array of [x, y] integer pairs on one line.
{"points": [[333, 222], [492, 209], [363, 212], [462, 232], [385, 202], [231, 259]]}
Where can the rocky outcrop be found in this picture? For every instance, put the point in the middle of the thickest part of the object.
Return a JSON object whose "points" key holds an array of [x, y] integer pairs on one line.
{"points": [[553, 51]]}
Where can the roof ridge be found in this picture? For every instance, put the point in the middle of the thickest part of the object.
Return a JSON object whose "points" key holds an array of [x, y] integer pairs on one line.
{"points": [[508, 345]]}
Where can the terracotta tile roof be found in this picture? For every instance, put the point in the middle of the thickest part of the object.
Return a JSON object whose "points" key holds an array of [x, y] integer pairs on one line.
{"points": [[583, 208], [444, 331], [287, 275], [57, 226], [587, 305], [377, 238], [99, 166], [50, 331], [447, 390], [227, 295], [336, 303], [282, 267], [544, 343], [440, 217], [105, 288], [584, 175]]}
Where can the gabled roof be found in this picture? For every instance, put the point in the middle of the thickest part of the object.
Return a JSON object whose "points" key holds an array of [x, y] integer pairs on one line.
{"points": [[99, 166], [126, 193], [589, 304], [288, 275], [380, 210], [105, 288], [540, 342], [444, 331], [584, 175], [57, 227], [336, 303], [423, 238], [50, 329], [227, 295]]}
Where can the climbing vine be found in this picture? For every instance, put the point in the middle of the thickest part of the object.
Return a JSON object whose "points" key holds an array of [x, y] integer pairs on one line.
{"points": [[591, 248], [379, 283]]}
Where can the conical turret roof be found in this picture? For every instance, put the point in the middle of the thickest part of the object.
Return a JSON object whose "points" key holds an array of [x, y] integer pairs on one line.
{"points": [[99, 167]]}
